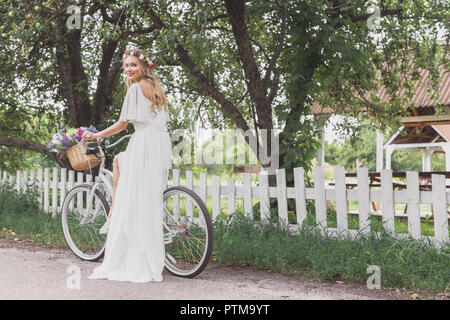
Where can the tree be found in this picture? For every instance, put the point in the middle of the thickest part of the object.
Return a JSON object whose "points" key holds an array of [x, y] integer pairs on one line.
{"points": [[248, 64]]}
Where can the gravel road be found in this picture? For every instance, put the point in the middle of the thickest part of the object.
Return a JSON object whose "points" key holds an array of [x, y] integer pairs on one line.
{"points": [[36, 273]]}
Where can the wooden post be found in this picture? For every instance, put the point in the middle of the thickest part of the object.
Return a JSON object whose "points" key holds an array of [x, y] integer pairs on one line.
{"points": [[247, 188], [363, 200], [264, 195], [46, 189], [70, 185], [40, 191], [388, 157], [231, 196], [18, 181], [176, 198], [55, 191], [413, 209], [320, 197], [300, 195], [189, 185], [62, 187], [215, 190], [440, 209], [380, 138], [341, 199], [387, 203], [282, 196]]}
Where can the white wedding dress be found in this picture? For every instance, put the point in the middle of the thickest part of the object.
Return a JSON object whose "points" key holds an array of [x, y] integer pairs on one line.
{"points": [[134, 245]]}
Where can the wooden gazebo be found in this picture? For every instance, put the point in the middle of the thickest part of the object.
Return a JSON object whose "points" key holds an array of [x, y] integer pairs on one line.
{"points": [[422, 130]]}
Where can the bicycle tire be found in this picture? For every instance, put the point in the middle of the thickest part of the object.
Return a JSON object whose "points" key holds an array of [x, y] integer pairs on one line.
{"points": [[72, 246], [209, 231]]}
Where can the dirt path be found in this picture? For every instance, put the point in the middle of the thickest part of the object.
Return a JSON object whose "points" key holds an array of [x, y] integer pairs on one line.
{"points": [[30, 272]]}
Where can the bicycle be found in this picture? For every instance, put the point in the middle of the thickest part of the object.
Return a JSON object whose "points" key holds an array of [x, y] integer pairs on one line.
{"points": [[187, 224]]}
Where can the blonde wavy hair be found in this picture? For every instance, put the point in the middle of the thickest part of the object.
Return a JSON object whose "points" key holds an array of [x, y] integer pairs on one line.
{"points": [[151, 88]]}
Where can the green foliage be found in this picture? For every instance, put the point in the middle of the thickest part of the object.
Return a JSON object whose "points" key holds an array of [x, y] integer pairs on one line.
{"points": [[360, 151], [328, 54], [334, 58]]}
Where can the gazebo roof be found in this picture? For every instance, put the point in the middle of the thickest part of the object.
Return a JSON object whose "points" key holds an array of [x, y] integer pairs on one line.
{"points": [[425, 105], [427, 134]]}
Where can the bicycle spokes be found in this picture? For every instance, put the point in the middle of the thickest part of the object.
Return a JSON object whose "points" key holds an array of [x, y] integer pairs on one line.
{"points": [[186, 233]]}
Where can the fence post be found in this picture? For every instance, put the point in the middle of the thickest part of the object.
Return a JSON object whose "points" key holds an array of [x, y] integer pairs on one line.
{"points": [[413, 203], [18, 182], [32, 180], [282, 195], [440, 208], [363, 200], [387, 203], [341, 199], [55, 191], [215, 190], [70, 185], [46, 189], [203, 186], [189, 185], [39, 179], [300, 195], [247, 188], [231, 196], [79, 194], [264, 195], [176, 199], [25, 180], [320, 197], [63, 186]]}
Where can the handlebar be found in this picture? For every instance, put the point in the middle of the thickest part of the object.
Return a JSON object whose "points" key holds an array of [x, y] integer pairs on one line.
{"points": [[93, 146], [118, 141]]}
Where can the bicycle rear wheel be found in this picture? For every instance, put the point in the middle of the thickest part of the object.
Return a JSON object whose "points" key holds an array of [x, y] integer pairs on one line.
{"points": [[188, 232], [81, 229]]}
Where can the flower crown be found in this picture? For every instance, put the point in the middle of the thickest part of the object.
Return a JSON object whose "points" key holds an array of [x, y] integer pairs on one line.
{"points": [[141, 55]]}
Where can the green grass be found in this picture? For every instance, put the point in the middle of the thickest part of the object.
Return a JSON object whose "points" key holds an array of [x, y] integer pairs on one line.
{"points": [[20, 218], [404, 263]]}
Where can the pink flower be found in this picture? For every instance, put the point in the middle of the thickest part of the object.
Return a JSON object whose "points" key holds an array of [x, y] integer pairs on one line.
{"points": [[151, 64], [134, 49], [127, 52]]}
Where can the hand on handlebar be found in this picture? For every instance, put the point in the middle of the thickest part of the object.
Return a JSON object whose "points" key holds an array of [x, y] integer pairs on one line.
{"points": [[88, 136]]}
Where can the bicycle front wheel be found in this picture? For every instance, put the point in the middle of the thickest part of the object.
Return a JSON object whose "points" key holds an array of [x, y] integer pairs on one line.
{"points": [[188, 232], [81, 228]]}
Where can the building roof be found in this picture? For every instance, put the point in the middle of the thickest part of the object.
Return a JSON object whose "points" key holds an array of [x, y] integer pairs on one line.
{"points": [[426, 134], [425, 105]]}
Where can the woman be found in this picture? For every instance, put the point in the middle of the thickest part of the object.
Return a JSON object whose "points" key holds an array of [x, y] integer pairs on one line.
{"points": [[134, 245]]}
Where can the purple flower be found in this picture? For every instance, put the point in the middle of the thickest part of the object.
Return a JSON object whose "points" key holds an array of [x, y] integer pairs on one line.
{"points": [[92, 129]]}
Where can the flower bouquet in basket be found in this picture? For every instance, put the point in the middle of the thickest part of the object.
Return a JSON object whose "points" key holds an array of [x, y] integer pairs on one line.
{"points": [[67, 144]]}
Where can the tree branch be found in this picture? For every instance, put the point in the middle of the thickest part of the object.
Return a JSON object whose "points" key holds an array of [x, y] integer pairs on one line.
{"points": [[202, 81], [26, 144], [277, 53], [236, 10]]}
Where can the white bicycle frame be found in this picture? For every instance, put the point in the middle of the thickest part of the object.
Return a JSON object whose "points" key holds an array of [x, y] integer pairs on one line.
{"points": [[105, 178]]}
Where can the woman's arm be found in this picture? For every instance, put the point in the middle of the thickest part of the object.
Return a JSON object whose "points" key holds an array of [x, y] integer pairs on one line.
{"points": [[115, 128]]}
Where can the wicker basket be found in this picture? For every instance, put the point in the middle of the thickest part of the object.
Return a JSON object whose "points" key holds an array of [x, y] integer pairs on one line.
{"points": [[80, 161]]}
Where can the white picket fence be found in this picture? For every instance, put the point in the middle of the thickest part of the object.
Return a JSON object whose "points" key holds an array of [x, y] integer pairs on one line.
{"points": [[247, 190]]}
